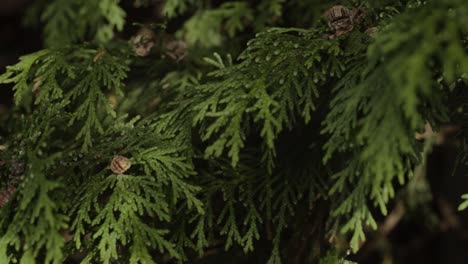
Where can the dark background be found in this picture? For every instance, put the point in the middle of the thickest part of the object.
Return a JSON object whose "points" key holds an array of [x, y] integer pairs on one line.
{"points": [[15, 40]]}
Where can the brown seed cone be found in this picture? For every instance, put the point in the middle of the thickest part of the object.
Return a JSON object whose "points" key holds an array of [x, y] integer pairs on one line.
{"points": [[143, 42], [120, 164], [176, 50], [336, 13], [343, 20]]}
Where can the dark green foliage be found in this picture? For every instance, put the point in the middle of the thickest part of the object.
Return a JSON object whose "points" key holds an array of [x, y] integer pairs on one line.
{"points": [[297, 139]]}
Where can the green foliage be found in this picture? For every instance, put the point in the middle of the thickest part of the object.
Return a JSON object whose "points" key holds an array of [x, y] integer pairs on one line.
{"points": [[204, 27], [369, 124], [267, 87], [131, 197], [59, 81], [38, 216], [172, 8], [464, 204], [212, 26], [68, 22], [19, 74], [104, 72], [249, 154]]}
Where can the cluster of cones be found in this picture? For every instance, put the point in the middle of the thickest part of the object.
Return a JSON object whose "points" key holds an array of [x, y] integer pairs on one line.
{"points": [[342, 20], [146, 39]]}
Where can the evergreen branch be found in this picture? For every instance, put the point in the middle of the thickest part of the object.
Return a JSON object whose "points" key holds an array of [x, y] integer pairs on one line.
{"points": [[20, 75], [263, 87], [38, 216], [232, 15], [107, 73], [68, 22]]}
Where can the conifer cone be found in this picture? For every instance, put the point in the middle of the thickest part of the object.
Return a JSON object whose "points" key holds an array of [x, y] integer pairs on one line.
{"points": [[339, 19], [120, 164], [342, 20], [143, 42], [177, 50]]}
